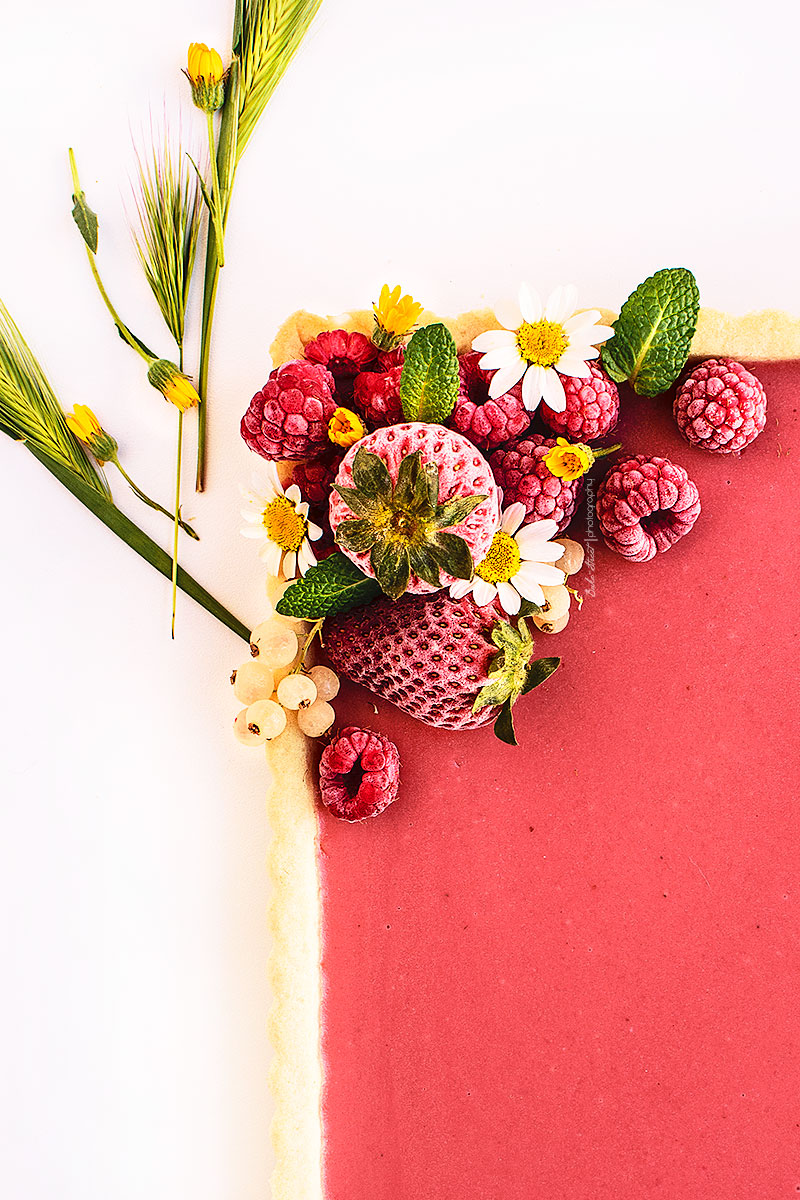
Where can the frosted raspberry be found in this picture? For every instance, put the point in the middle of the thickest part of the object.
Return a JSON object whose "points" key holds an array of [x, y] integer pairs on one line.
{"points": [[314, 478], [376, 395], [359, 774], [487, 423], [592, 407], [645, 505], [289, 417], [521, 473], [391, 358], [721, 406], [343, 353]]}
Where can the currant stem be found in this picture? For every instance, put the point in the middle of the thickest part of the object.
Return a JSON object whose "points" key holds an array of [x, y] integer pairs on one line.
{"points": [[315, 629]]}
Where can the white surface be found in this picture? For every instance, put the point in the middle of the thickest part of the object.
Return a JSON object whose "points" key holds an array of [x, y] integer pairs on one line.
{"points": [[451, 145]]}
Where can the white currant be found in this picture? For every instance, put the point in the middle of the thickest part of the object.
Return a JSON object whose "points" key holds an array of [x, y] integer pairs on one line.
{"points": [[297, 691]]}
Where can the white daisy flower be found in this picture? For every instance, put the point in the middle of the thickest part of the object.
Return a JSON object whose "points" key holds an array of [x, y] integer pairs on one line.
{"points": [[538, 343], [518, 563], [279, 519]]}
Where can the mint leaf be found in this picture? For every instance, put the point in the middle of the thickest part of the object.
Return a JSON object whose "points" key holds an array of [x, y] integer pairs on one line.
{"points": [[429, 382], [334, 585], [653, 332]]}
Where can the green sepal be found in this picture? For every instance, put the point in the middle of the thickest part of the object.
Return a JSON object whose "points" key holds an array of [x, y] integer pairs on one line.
{"points": [[527, 608], [424, 563], [538, 671], [407, 491], [653, 332], [429, 381], [358, 536], [391, 563], [457, 510], [332, 586], [359, 504], [371, 476], [504, 725], [452, 554]]}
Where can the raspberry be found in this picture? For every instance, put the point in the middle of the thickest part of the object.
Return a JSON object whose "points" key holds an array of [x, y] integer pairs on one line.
{"points": [[376, 395], [592, 407], [314, 478], [391, 358], [289, 417], [359, 774], [343, 353], [644, 506], [487, 423], [520, 471], [721, 406]]}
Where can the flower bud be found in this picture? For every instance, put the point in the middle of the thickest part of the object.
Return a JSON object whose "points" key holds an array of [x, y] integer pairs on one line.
{"points": [[87, 429], [345, 427], [395, 318], [174, 386], [206, 74]]}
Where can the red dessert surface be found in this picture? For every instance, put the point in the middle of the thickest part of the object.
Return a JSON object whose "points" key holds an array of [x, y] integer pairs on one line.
{"points": [[569, 970]]}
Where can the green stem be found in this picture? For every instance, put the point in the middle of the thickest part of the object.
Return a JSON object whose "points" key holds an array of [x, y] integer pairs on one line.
{"points": [[177, 520], [130, 533], [124, 332], [315, 629], [216, 212], [137, 491]]}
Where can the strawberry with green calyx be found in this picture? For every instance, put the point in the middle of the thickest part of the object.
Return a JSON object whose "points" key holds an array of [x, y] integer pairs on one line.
{"points": [[446, 662], [403, 526], [414, 506]]}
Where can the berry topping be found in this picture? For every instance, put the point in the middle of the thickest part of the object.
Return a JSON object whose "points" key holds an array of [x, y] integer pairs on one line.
{"points": [[592, 407], [645, 505], [359, 774], [721, 406], [522, 472], [289, 417], [487, 423]]}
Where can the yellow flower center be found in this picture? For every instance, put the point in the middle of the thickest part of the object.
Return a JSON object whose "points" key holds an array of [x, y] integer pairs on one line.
{"points": [[542, 343], [284, 525], [503, 560], [345, 427], [567, 461]]}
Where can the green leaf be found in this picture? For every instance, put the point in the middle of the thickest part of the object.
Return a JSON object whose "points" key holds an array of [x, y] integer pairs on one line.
{"points": [[371, 476], [332, 586], [537, 672], [358, 536], [504, 725], [452, 554], [86, 220], [125, 529], [653, 333], [429, 382], [456, 511], [392, 566]]}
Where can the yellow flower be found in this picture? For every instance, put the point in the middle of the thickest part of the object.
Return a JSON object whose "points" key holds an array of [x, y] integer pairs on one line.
{"points": [[395, 317], [87, 429], [207, 76], [568, 461], [345, 427], [174, 386]]}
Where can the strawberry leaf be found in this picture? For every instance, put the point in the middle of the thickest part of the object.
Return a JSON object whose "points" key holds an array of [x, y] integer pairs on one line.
{"points": [[332, 586], [452, 554], [358, 536], [371, 476], [537, 672], [504, 725], [391, 563], [457, 510], [429, 381]]}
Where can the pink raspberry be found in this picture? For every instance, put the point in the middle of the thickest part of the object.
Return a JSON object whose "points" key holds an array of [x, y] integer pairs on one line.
{"points": [[592, 407], [376, 395], [645, 505], [289, 417], [521, 473], [391, 358], [343, 353], [721, 406], [314, 478], [359, 774], [487, 423]]}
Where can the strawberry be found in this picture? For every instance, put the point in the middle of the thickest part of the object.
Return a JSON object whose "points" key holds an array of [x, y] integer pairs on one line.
{"points": [[446, 662]]}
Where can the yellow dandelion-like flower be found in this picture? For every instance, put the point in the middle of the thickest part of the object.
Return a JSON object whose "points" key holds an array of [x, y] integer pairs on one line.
{"points": [[568, 461], [87, 429], [395, 317], [206, 74], [174, 386], [346, 427]]}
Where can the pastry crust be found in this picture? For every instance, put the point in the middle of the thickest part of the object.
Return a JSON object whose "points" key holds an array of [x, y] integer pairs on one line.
{"points": [[295, 912]]}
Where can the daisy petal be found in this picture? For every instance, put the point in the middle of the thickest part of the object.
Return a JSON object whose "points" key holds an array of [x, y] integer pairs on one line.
{"points": [[546, 552], [493, 339], [561, 303], [581, 319], [537, 532], [271, 555], [554, 396], [505, 379], [513, 517], [508, 314], [574, 365], [483, 592], [253, 531], [502, 357], [533, 572], [313, 532], [530, 306], [532, 388], [294, 494], [290, 564], [460, 589], [528, 589], [509, 598]]}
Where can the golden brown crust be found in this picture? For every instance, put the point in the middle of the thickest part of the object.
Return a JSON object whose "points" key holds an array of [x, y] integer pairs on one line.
{"points": [[295, 910]]}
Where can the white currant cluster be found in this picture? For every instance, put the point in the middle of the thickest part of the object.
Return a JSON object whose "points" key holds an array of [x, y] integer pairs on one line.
{"points": [[558, 597], [268, 687]]}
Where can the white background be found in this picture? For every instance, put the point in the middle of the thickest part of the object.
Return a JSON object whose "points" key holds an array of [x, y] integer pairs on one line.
{"points": [[450, 145]]}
